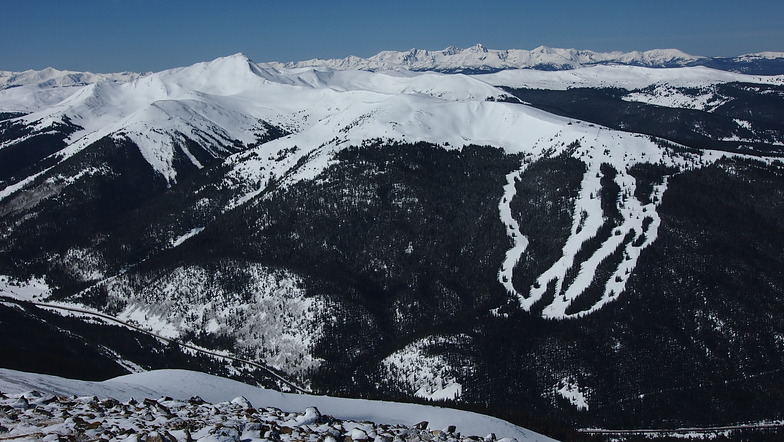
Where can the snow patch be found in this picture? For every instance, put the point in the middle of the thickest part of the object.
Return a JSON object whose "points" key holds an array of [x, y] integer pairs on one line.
{"points": [[182, 238], [706, 98], [427, 373], [34, 289], [568, 389]]}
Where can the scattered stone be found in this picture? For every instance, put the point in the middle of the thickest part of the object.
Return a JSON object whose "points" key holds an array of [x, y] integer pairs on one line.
{"points": [[38, 416]]}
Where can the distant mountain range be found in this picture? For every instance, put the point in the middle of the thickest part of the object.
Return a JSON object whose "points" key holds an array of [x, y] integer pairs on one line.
{"points": [[478, 58]]}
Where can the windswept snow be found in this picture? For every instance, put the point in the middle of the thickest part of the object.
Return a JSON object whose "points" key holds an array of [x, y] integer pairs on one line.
{"points": [[226, 106]]}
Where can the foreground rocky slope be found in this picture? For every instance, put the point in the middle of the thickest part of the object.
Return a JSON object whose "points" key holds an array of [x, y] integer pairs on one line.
{"points": [[37, 416], [70, 409]]}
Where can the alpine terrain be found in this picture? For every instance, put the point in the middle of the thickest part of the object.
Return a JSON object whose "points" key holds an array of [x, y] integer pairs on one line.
{"points": [[575, 242]]}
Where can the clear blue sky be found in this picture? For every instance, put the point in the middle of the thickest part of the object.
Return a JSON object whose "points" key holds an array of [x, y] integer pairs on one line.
{"points": [[151, 35]]}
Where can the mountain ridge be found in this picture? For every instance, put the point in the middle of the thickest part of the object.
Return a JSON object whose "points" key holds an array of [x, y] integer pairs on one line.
{"points": [[480, 59]]}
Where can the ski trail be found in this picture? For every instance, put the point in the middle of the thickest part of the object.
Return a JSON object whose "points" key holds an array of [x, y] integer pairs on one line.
{"points": [[586, 221], [645, 235], [520, 241], [638, 228]]}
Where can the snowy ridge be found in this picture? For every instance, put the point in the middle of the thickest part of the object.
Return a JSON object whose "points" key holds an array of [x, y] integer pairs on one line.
{"points": [[53, 78], [765, 55], [303, 412], [478, 57], [228, 102]]}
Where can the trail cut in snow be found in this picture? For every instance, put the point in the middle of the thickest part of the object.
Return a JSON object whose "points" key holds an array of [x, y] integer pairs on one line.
{"points": [[520, 241], [602, 249]]}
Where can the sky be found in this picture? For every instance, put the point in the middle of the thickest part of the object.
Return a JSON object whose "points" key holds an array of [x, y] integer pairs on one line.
{"points": [[152, 35]]}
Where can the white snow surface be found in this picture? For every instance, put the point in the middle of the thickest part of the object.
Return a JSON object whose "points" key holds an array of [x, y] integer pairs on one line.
{"points": [[568, 389], [54, 78], [182, 385], [35, 289], [706, 99]]}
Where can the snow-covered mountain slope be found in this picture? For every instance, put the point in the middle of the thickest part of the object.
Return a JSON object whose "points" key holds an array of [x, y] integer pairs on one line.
{"points": [[227, 107], [184, 385], [230, 102], [480, 58]]}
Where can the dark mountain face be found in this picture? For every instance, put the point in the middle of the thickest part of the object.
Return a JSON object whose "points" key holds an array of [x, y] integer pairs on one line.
{"points": [[382, 275]]}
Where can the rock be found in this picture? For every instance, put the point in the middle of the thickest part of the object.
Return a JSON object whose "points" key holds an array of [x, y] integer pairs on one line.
{"points": [[312, 416], [21, 404], [357, 434], [242, 402]]}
